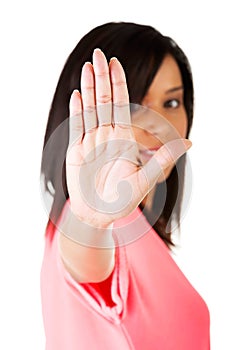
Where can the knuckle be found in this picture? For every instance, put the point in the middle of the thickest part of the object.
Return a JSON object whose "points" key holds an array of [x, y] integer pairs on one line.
{"points": [[102, 73], [121, 103], [103, 99], [89, 109], [119, 83], [88, 87], [166, 157]]}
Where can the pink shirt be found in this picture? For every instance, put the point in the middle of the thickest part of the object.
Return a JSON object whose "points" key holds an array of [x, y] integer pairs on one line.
{"points": [[146, 304]]}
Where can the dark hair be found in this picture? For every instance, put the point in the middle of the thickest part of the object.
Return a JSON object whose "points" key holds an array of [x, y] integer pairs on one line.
{"points": [[140, 49]]}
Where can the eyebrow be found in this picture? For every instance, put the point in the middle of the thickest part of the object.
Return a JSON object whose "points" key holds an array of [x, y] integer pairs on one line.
{"points": [[175, 89]]}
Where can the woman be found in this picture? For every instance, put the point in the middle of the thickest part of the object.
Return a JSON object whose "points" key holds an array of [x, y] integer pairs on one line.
{"points": [[108, 280]]}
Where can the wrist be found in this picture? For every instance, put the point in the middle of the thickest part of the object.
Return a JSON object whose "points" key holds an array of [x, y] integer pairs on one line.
{"points": [[91, 234]]}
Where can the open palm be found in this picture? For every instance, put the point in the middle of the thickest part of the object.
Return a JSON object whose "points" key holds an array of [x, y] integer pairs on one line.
{"points": [[104, 177]]}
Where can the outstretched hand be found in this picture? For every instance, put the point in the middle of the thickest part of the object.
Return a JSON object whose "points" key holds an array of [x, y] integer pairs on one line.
{"points": [[104, 176]]}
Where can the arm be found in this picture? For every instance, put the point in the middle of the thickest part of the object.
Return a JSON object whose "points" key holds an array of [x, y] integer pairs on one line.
{"points": [[84, 263], [103, 170]]}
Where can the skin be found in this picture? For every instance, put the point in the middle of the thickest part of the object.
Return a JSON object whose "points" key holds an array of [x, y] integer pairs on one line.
{"points": [[165, 96], [103, 138], [96, 125]]}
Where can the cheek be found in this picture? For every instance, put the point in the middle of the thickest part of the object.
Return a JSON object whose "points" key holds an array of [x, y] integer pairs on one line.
{"points": [[145, 137], [181, 125]]}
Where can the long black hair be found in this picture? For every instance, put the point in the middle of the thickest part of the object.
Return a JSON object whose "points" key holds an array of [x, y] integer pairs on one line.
{"points": [[140, 49]]}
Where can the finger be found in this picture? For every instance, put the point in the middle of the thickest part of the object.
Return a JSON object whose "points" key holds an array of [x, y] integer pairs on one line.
{"points": [[166, 156], [76, 127], [88, 97], [120, 95], [102, 88]]}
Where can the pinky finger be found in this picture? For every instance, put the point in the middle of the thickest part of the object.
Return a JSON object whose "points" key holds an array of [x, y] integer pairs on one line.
{"points": [[76, 126]]}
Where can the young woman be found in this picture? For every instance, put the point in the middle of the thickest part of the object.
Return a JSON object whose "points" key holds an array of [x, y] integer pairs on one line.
{"points": [[115, 171]]}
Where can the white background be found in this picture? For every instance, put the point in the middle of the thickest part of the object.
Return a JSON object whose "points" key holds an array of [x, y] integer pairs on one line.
{"points": [[36, 38]]}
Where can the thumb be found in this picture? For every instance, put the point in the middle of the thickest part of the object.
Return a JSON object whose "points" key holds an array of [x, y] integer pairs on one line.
{"points": [[166, 156]]}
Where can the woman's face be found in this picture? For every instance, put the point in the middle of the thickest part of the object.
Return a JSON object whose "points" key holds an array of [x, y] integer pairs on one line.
{"points": [[164, 117]]}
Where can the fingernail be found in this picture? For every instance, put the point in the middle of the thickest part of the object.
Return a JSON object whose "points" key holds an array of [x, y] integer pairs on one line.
{"points": [[97, 50], [75, 91], [187, 143], [86, 64]]}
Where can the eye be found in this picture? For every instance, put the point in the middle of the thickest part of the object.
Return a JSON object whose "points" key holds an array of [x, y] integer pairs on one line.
{"points": [[173, 103]]}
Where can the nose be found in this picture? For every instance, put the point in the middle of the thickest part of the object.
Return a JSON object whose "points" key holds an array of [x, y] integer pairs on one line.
{"points": [[158, 129]]}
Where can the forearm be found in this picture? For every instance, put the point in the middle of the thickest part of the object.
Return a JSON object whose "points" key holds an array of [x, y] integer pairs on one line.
{"points": [[87, 252]]}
